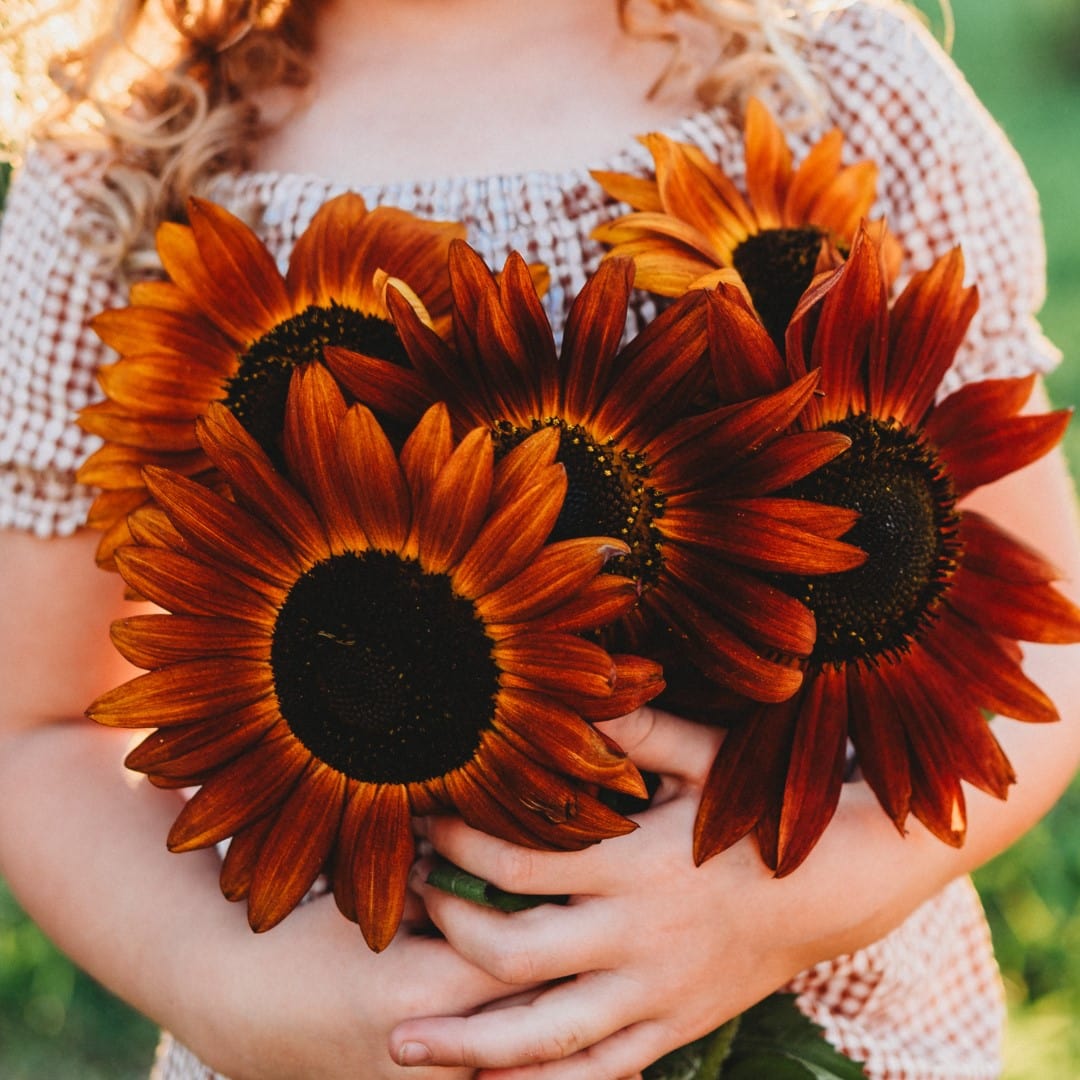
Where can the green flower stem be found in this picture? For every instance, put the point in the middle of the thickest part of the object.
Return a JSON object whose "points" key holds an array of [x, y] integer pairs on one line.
{"points": [[458, 882]]}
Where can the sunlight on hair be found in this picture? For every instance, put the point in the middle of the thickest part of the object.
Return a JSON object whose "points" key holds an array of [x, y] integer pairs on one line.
{"points": [[31, 33]]}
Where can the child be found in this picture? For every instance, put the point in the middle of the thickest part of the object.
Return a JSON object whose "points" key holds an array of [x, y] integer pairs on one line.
{"points": [[492, 113]]}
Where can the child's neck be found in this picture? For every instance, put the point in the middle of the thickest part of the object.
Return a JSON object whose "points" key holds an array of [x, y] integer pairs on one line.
{"points": [[419, 89]]}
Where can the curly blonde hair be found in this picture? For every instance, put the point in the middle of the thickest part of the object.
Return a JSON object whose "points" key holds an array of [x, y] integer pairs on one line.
{"points": [[191, 72], [727, 51]]}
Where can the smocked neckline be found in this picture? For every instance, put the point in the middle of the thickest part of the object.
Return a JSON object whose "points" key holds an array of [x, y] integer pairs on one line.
{"points": [[631, 155]]}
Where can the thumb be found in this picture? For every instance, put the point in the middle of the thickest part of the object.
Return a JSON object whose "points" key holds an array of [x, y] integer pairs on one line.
{"points": [[664, 743]]}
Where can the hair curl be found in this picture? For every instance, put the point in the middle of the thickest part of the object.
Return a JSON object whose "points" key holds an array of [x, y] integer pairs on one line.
{"points": [[188, 112]]}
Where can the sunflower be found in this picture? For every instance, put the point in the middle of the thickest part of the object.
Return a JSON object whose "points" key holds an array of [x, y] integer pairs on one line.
{"points": [[917, 644], [691, 227], [228, 326], [386, 635], [690, 495]]}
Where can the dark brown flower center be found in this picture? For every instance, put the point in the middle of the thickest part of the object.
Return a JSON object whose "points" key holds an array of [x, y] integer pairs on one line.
{"points": [[381, 670], [776, 266], [257, 391], [908, 527], [607, 494]]}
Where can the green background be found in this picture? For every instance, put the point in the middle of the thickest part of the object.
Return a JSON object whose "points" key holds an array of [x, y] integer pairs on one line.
{"points": [[1023, 58]]}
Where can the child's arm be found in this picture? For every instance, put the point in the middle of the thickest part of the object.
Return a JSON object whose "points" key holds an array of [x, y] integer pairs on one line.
{"points": [[664, 951], [82, 845]]}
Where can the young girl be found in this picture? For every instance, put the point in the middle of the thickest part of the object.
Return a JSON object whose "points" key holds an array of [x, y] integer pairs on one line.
{"points": [[491, 113]]}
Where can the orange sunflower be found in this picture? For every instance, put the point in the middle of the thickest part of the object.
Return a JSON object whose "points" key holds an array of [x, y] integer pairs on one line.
{"points": [[915, 644], [690, 495], [386, 635], [228, 326], [691, 227]]}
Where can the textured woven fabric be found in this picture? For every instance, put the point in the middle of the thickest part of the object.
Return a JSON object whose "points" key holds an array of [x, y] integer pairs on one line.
{"points": [[925, 1002]]}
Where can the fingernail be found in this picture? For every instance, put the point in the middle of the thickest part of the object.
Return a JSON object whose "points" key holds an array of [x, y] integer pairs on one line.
{"points": [[413, 1053]]}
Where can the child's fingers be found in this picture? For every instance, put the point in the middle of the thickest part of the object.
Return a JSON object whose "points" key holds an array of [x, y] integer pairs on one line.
{"points": [[664, 743]]}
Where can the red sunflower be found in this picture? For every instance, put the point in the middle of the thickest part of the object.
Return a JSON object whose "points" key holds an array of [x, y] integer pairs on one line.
{"points": [[691, 227], [692, 496], [914, 645], [382, 635], [228, 326]]}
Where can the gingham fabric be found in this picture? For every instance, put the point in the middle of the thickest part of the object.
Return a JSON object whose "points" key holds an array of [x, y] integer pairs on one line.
{"points": [[925, 1003]]}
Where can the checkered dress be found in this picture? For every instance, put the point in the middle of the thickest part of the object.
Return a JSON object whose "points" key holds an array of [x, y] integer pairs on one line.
{"points": [[925, 1002]]}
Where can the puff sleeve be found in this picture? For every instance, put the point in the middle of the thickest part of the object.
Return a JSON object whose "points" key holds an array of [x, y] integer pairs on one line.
{"points": [[52, 282]]}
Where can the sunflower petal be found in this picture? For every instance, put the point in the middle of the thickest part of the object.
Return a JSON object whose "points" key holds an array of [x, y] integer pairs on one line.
{"points": [[635, 191], [637, 681], [373, 484], [880, 740], [598, 604], [748, 532], [385, 387], [238, 866], [258, 486], [456, 503], [157, 387], [427, 450], [559, 572], [695, 190], [188, 586], [319, 266], [243, 791], [723, 656], [745, 362], [555, 662], [235, 276], [510, 538], [382, 856], [765, 616], [992, 552], [199, 748], [296, 847], [528, 463], [561, 816], [768, 165], [665, 364], [980, 456], [1023, 612], [816, 770], [183, 693], [979, 660], [850, 340], [314, 411], [357, 804], [937, 799], [813, 176], [594, 328], [981, 404], [221, 531], [182, 334], [747, 774], [548, 732], [155, 640], [927, 323]]}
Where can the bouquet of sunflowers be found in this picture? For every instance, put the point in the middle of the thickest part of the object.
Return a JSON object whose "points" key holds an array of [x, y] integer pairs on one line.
{"points": [[409, 549]]}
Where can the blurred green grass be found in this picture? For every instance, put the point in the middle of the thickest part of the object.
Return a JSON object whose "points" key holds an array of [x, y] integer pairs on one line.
{"points": [[1023, 58]]}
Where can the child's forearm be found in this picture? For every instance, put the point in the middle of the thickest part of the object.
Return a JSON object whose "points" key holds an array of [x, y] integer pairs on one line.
{"points": [[82, 848]]}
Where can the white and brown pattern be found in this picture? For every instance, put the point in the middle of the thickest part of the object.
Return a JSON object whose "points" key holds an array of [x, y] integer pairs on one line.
{"points": [[925, 1002]]}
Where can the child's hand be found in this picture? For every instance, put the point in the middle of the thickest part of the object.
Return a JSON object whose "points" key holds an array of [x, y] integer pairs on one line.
{"points": [[663, 952], [308, 999]]}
